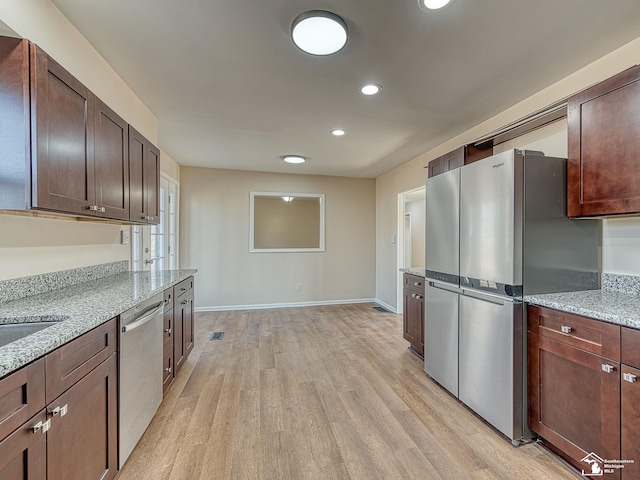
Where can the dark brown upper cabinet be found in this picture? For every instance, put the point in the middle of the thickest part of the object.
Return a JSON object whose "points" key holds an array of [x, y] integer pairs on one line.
{"points": [[460, 156], [111, 163], [62, 138], [62, 149], [144, 178], [604, 146]]}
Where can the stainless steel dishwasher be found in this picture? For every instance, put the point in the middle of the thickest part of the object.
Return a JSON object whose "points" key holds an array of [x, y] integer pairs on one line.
{"points": [[140, 371]]}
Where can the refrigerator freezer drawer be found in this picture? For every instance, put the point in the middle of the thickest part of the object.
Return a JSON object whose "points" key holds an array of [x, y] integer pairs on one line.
{"points": [[441, 336], [491, 361]]}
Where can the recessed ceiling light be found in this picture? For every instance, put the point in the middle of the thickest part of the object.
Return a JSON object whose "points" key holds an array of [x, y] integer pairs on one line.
{"points": [[371, 89], [319, 32], [294, 159], [338, 132], [434, 4]]}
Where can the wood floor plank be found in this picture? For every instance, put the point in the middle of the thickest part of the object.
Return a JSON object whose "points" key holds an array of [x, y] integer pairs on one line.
{"points": [[330, 393]]}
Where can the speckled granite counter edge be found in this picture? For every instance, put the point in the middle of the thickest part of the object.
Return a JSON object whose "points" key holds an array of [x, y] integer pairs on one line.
{"points": [[22, 287], [614, 307], [413, 271], [84, 307]]}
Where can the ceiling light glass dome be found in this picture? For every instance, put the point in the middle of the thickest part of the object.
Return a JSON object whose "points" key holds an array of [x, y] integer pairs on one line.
{"points": [[319, 32], [294, 159]]}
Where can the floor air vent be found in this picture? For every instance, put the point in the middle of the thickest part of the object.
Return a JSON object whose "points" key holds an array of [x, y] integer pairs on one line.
{"points": [[216, 336], [381, 309]]}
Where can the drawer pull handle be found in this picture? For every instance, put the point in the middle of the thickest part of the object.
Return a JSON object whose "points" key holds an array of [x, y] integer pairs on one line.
{"points": [[629, 377], [417, 284], [62, 411], [41, 427], [566, 329], [608, 368]]}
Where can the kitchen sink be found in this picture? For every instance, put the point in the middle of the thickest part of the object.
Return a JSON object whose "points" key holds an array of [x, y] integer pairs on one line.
{"points": [[12, 329]]}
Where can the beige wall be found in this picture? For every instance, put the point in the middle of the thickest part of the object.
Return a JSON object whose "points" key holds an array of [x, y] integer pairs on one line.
{"points": [[617, 234], [214, 238], [29, 246]]}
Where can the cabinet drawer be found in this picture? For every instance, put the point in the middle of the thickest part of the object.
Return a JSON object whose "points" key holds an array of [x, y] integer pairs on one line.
{"points": [[183, 287], [630, 345], [72, 361], [21, 396], [168, 299], [414, 282], [587, 334]]}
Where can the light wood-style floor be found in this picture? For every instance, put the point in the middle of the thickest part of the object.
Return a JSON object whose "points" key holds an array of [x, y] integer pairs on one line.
{"points": [[329, 393]]}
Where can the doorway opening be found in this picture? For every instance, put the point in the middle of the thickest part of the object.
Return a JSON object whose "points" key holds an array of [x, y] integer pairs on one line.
{"points": [[411, 235]]}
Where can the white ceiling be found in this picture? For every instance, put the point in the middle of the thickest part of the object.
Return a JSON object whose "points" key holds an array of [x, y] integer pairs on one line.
{"points": [[230, 89]]}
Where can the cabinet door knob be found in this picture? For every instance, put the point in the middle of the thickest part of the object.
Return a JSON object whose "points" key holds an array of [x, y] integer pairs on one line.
{"points": [[59, 410], [629, 377], [184, 302], [566, 329], [416, 284], [148, 262], [41, 427], [608, 368], [167, 330], [418, 296], [168, 369]]}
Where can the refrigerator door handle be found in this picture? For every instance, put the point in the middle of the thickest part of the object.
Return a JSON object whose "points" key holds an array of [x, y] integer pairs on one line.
{"points": [[444, 286], [485, 297]]}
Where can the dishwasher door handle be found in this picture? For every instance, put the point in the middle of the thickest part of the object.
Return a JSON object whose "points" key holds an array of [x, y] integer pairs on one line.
{"points": [[144, 319]]}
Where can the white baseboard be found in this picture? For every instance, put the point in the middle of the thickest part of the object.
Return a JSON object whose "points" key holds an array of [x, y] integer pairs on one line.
{"points": [[284, 305]]}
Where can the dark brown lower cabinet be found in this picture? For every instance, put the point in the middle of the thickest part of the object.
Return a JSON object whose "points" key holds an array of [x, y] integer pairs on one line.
{"points": [[630, 420], [413, 312], [82, 443], [574, 390], [23, 454], [179, 333], [75, 436]]}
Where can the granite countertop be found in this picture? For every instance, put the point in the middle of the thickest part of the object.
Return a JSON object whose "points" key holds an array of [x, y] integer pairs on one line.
{"points": [[82, 306], [419, 271], [616, 307]]}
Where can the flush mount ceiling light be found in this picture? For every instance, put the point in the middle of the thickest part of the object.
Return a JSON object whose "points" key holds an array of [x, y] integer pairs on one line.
{"points": [[319, 32], [338, 132], [370, 89], [434, 4], [287, 199], [294, 159]]}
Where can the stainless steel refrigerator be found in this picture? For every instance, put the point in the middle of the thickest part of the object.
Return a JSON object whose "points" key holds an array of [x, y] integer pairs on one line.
{"points": [[497, 229]]}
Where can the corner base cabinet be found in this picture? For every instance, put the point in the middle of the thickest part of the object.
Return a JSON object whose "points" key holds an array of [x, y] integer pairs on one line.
{"points": [[584, 394], [413, 312]]}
